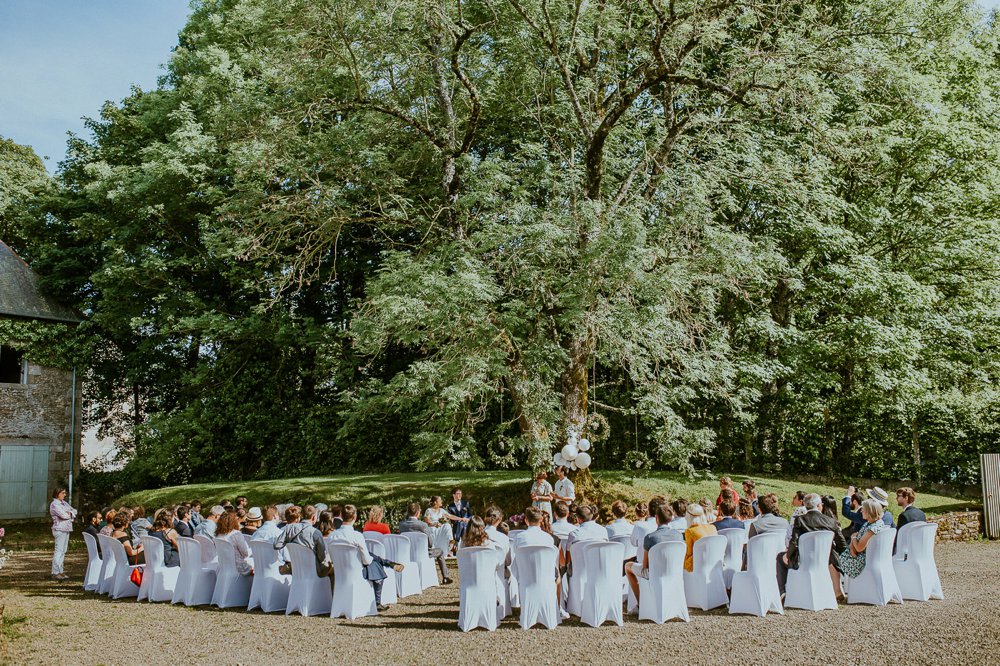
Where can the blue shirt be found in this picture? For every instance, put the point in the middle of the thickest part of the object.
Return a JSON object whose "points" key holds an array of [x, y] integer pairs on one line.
{"points": [[206, 528], [269, 531], [728, 523], [661, 534]]}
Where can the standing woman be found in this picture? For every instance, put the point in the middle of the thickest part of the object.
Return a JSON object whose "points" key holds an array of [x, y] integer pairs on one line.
{"points": [[62, 524], [541, 494]]}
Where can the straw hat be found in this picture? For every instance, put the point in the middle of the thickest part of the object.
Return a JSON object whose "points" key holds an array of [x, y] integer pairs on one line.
{"points": [[879, 495]]}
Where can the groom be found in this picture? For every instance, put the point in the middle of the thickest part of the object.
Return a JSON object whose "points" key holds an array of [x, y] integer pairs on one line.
{"points": [[459, 507]]}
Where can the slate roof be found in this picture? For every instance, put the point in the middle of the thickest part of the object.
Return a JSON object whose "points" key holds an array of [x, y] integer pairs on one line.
{"points": [[21, 295]]}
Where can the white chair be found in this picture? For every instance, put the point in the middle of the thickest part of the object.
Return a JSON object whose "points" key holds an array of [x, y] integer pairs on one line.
{"points": [[736, 539], [353, 596], [810, 587], [389, 594], [158, 580], [903, 539], [93, 574], [209, 556], [877, 583], [705, 585], [421, 557], [479, 602], [195, 583], [407, 580], [661, 598], [512, 535], [106, 578], [269, 590], [578, 581], [371, 535], [232, 589], [536, 582], [122, 585], [603, 600], [309, 594], [917, 575], [755, 591], [626, 541]]}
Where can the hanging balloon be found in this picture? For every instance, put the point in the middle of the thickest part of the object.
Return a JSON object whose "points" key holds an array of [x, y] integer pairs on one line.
{"points": [[571, 440], [582, 461], [558, 460], [569, 452], [584, 444], [573, 466]]}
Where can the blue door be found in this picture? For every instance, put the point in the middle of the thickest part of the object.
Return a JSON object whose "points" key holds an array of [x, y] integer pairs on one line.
{"points": [[24, 481]]}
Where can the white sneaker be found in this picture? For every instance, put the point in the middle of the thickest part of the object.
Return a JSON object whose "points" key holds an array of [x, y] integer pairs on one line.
{"points": [[563, 615]]}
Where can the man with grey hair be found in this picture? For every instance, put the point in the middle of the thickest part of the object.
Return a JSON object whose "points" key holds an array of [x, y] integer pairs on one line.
{"points": [[813, 520], [208, 525]]}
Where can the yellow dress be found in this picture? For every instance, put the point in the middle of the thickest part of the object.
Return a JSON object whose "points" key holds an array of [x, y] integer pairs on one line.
{"points": [[691, 535]]}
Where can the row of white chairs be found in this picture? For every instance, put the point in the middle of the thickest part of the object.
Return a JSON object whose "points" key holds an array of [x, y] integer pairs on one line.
{"points": [[207, 575], [595, 591]]}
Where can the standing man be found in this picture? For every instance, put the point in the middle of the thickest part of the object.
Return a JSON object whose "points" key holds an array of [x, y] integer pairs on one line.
{"points": [[63, 516], [460, 508], [905, 497], [565, 491]]}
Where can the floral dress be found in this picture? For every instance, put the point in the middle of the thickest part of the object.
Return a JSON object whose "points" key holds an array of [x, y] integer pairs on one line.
{"points": [[853, 565], [542, 488]]}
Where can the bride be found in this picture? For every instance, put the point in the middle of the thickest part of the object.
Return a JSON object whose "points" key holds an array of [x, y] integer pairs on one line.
{"points": [[437, 517]]}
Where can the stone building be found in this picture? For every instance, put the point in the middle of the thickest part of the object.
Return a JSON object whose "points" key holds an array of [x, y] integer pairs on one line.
{"points": [[40, 408]]}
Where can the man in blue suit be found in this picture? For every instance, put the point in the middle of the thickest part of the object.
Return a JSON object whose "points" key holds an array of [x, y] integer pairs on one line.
{"points": [[459, 507]]}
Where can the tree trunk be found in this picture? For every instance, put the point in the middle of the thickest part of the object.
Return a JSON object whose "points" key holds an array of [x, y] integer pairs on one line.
{"points": [[574, 385]]}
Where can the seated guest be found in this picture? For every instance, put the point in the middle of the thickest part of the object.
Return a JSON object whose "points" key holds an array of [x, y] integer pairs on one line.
{"points": [[374, 566], [680, 507], [412, 523], [746, 512], [905, 497], [830, 507], [641, 530], [252, 522], [182, 522], [240, 502], [620, 526], [375, 523], [120, 525], [533, 534], [698, 527], [750, 494], [228, 529], [299, 528], [813, 520], [561, 527], [798, 508], [211, 522], [725, 483], [139, 526], [663, 533], [108, 528], [876, 494], [493, 518], [852, 560], [195, 514], [337, 513], [727, 521], [588, 530], [708, 509], [476, 535], [269, 530], [92, 527], [163, 530], [850, 508], [770, 519]]}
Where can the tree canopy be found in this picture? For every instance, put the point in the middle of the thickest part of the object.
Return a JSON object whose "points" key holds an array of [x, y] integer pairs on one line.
{"points": [[422, 234]]}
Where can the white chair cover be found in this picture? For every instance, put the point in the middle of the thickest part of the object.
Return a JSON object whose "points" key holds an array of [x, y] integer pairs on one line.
{"points": [[209, 556], [661, 598], [578, 581], [705, 585], [195, 583], [536, 582], [309, 594], [232, 589], [603, 600], [106, 578], [917, 575], [158, 580], [269, 590], [810, 587], [903, 538], [353, 596], [122, 586], [736, 539], [93, 574], [626, 541], [371, 535], [877, 584], [389, 594], [419, 555], [755, 591], [479, 598], [512, 535], [397, 547]]}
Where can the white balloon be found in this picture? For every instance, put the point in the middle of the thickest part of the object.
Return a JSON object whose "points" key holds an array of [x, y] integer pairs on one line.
{"points": [[558, 459], [583, 461], [572, 465], [584, 444], [571, 440], [569, 452]]}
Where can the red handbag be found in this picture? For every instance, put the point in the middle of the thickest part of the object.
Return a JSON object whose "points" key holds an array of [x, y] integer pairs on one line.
{"points": [[136, 576]]}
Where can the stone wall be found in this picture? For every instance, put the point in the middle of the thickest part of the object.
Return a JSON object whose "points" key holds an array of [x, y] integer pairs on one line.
{"points": [[39, 412], [958, 525]]}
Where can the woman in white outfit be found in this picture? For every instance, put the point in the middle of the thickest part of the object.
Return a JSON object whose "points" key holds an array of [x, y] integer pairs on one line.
{"points": [[62, 524], [438, 519]]}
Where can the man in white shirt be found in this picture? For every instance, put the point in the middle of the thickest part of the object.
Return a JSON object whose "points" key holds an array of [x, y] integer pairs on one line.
{"points": [[492, 518], [588, 530], [374, 566], [564, 488], [679, 523], [561, 527], [619, 526], [533, 535], [269, 530], [641, 529]]}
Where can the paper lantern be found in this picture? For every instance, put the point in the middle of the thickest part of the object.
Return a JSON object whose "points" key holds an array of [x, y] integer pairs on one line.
{"points": [[583, 461], [584, 444], [573, 466], [569, 452], [558, 460]]}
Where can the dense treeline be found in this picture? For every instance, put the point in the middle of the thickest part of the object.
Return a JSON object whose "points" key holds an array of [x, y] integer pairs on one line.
{"points": [[427, 234]]}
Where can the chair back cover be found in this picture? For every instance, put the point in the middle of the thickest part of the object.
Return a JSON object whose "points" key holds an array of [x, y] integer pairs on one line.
{"points": [[479, 599], [536, 581], [877, 583], [93, 574], [108, 563], [232, 589], [603, 600], [269, 590], [373, 535], [309, 594], [397, 548], [662, 595], [810, 587], [353, 596], [208, 553], [736, 539]]}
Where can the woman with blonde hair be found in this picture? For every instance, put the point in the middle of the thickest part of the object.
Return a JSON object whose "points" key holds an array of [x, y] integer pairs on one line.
{"points": [[698, 527], [852, 560], [375, 523]]}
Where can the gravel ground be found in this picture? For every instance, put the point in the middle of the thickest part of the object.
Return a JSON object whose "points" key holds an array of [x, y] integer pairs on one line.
{"points": [[65, 625]]}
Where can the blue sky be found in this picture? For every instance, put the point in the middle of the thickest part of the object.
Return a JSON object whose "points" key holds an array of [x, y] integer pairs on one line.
{"points": [[60, 60]]}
